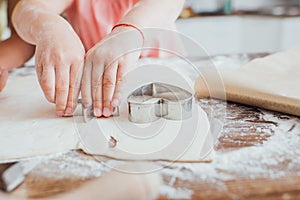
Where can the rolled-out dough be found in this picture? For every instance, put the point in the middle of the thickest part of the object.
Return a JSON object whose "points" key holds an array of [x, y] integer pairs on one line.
{"points": [[29, 128], [28, 124], [271, 82]]}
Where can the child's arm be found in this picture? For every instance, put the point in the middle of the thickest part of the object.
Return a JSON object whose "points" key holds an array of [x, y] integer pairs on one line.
{"points": [[14, 52], [59, 51], [102, 88]]}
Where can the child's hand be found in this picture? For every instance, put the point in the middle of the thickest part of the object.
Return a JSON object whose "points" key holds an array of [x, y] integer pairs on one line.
{"points": [[105, 67], [3, 78], [59, 51], [59, 66]]}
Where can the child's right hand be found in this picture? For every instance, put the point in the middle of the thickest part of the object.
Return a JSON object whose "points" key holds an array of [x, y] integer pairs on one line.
{"points": [[3, 78], [59, 51], [59, 65]]}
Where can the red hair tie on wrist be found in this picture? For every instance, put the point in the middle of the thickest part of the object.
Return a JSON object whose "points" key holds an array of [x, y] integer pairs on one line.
{"points": [[132, 26]]}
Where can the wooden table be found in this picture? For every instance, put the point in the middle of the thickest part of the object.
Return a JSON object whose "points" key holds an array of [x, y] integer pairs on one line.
{"points": [[257, 157], [235, 173]]}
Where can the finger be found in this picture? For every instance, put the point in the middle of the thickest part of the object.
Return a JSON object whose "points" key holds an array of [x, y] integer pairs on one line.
{"points": [[97, 77], [74, 87], [3, 78], [62, 80], [125, 64], [86, 84], [47, 82], [116, 99], [108, 84], [38, 65]]}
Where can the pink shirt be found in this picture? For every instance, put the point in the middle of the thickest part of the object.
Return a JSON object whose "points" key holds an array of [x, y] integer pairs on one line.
{"points": [[93, 19]]}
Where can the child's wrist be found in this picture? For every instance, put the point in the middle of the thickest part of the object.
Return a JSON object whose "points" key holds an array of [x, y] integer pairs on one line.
{"points": [[54, 25], [127, 27]]}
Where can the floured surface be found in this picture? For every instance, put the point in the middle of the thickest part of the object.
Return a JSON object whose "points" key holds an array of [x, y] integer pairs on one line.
{"points": [[28, 124], [258, 156], [271, 82]]}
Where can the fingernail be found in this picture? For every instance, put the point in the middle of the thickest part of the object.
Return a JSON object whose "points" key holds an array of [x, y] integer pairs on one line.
{"points": [[106, 112], [69, 112], [115, 102], [97, 112], [60, 113]]}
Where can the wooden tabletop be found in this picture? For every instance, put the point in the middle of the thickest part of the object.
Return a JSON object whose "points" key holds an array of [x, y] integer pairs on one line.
{"points": [[257, 157]]}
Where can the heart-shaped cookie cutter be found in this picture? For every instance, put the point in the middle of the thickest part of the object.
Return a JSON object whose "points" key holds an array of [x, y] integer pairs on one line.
{"points": [[152, 101]]}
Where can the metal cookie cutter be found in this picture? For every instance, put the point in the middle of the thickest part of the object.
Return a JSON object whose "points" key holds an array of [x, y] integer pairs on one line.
{"points": [[155, 100]]}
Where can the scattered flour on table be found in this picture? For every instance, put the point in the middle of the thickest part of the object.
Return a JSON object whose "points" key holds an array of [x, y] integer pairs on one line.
{"points": [[175, 193], [71, 164], [272, 159], [267, 160]]}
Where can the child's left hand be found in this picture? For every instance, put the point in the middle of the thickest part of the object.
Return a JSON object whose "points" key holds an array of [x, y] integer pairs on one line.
{"points": [[105, 67]]}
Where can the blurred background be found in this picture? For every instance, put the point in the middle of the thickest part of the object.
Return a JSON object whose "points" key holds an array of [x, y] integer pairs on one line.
{"points": [[242, 26], [235, 26]]}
